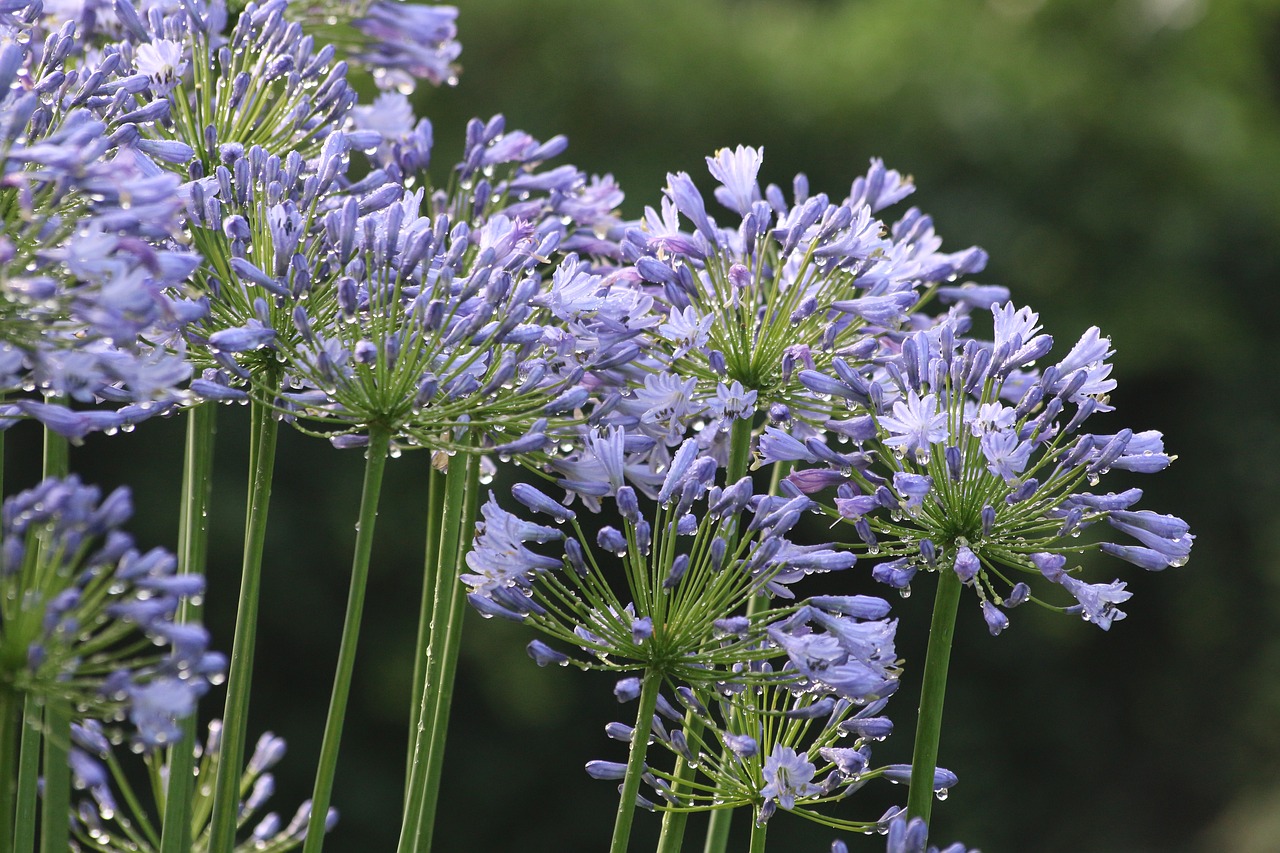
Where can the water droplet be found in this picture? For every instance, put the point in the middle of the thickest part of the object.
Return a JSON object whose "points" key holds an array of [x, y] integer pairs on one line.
{"points": [[941, 793]]}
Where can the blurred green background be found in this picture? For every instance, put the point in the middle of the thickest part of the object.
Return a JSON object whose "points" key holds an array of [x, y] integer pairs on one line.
{"points": [[1120, 161]]}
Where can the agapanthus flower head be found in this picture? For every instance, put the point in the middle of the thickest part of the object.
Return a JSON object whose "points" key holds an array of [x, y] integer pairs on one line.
{"points": [[94, 301], [769, 748], [274, 86], [653, 592], [987, 470], [436, 328], [782, 294], [90, 621], [101, 825]]}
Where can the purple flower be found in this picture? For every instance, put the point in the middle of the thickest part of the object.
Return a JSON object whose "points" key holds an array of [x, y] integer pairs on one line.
{"points": [[95, 621], [916, 424], [1013, 457], [787, 776], [736, 171]]}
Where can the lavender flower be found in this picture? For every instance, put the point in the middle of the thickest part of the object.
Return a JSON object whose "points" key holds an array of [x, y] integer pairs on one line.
{"points": [[700, 545], [778, 299], [93, 303], [787, 776], [89, 620], [988, 469]]}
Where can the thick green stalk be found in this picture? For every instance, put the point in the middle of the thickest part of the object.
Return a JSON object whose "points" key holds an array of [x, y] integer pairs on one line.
{"points": [[10, 732], [718, 826], [55, 817], [375, 464], [435, 516], [635, 762], [57, 455], [758, 831], [673, 823], [739, 454], [448, 610], [193, 538], [739, 450], [235, 720], [56, 793], [924, 756], [24, 833]]}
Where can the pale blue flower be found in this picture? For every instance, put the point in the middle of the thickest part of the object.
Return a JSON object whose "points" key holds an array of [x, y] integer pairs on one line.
{"points": [[787, 775], [916, 424]]}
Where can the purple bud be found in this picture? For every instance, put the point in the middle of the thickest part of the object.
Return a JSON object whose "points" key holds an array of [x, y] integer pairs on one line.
{"points": [[627, 689], [870, 728], [966, 564], [611, 540], [544, 655], [996, 620], [988, 519], [1018, 595], [535, 500], [813, 480], [606, 770], [678, 568], [620, 731], [942, 778], [857, 606], [896, 573], [743, 746]]}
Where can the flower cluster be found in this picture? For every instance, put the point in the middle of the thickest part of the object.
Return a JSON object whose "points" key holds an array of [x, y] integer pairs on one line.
{"points": [[88, 620], [755, 315], [699, 557], [195, 208], [987, 469], [93, 301]]}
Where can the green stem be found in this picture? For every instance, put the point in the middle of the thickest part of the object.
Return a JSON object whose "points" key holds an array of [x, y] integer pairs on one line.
{"points": [[739, 450], [375, 464], [924, 756], [758, 831], [10, 734], [235, 720], [193, 537], [56, 793], [635, 762], [673, 823], [55, 820], [24, 833], [718, 831], [57, 455], [448, 610], [671, 838], [739, 453], [435, 516]]}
